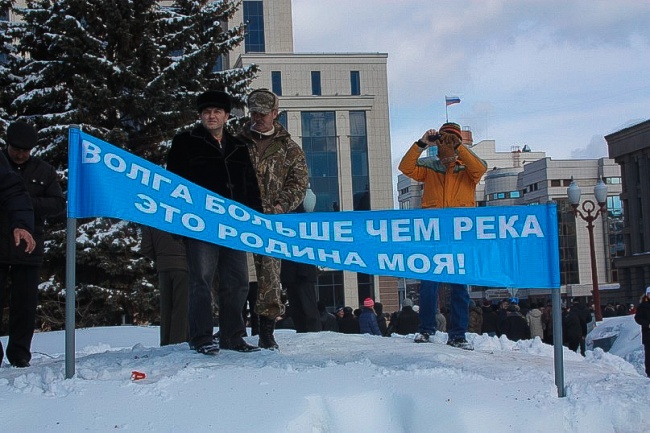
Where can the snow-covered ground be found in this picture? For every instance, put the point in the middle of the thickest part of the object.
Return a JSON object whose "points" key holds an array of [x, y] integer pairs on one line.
{"points": [[325, 382]]}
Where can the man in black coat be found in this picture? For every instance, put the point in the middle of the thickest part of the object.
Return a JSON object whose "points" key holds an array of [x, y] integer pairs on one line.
{"points": [[168, 253], [406, 321], [211, 157], [642, 317], [17, 265], [571, 328], [299, 280]]}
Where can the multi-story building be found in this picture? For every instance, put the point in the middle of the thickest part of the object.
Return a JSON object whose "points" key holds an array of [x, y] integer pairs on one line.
{"points": [[336, 107], [630, 148]]}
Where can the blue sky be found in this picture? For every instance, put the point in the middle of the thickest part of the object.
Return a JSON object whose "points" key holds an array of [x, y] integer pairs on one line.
{"points": [[556, 75]]}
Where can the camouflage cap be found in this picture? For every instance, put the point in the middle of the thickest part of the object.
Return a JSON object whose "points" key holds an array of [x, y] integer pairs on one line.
{"points": [[262, 101]]}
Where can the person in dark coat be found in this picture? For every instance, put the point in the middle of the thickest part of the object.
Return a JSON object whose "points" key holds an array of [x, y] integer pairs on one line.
{"points": [[514, 326], [585, 317], [368, 318], [642, 317], [327, 320], [22, 269], [381, 320], [489, 324], [16, 204], [299, 280], [406, 321], [348, 324], [211, 157], [168, 253], [571, 328]]}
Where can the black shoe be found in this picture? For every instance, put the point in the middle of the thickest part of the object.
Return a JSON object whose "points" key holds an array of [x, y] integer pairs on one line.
{"points": [[461, 343], [20, 363], [208, 349], [422, 337], [243, 347], [267, 341]]}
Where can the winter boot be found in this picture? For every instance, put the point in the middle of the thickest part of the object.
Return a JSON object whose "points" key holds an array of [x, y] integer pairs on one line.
{"points": [[267, 326]]}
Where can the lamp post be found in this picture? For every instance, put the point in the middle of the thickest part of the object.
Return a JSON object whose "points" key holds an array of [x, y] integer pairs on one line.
{"points": [[589, 214]]}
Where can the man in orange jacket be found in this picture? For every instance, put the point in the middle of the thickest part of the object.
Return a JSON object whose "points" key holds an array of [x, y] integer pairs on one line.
{"points": [[449, 181]]}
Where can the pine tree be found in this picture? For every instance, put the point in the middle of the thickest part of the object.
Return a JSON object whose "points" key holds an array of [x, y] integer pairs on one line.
{"points": [[128, 72]]}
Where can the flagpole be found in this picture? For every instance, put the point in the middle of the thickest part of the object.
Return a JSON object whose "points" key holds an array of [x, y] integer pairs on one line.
{"points": [[446, 111], [70, 279]]}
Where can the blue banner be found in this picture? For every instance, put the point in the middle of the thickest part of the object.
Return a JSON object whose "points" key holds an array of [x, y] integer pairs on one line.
{"points": [[513, 246]]}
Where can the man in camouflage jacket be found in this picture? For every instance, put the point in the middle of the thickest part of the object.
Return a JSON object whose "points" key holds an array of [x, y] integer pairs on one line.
{"points": [[282, 178]]}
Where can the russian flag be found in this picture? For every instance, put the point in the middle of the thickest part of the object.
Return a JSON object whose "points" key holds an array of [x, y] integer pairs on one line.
{"points": [[450, 100]]}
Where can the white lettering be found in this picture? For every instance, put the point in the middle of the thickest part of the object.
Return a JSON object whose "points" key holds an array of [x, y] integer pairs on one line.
{"points": [[115, 162]]}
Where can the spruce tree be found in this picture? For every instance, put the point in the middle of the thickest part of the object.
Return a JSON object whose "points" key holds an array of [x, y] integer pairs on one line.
{"points": [[125, 71]]}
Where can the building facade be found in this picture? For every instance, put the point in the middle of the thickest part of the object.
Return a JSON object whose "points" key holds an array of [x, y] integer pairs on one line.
{"points": [[335, 106], [630, 148]]}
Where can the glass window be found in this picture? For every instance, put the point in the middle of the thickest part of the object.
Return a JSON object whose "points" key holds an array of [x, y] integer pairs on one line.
{"points": [[276, 82], [218, 64], [365, 286], [359, 160], [315, 83], [556, 182], [515, 194], [254, 20], [569, 271], [319, 142], [355, 83], [282, 119], [329, 286]]}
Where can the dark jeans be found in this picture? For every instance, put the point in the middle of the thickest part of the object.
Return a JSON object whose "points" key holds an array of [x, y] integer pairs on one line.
{"points": [[174, 292], [459, 317], [23, 292], [303, 305], [204, 261]]}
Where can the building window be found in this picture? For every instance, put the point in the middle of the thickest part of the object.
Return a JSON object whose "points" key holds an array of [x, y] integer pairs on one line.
{"points": [[218, 64], [355, 83], [254, 19], [556, 182], [276, 82], [613, 180], [615, 236], [330, 289], [359, 161], [282, 119], [315, 83], [319, 142], [569, 270], [365, 286], [515, 194]]}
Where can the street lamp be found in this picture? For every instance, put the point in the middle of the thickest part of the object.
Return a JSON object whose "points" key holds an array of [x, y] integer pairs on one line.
{"points": [[588, 208]]}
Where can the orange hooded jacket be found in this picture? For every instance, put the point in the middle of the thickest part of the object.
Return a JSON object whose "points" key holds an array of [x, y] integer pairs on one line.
{"points": [[445, 187]]}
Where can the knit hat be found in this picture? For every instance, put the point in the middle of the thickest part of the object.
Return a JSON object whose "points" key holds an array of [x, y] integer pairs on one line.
{"points": [[262, 101], [368, 303], [407, 303], [21, 135], [213, 98], [451, 128]]}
